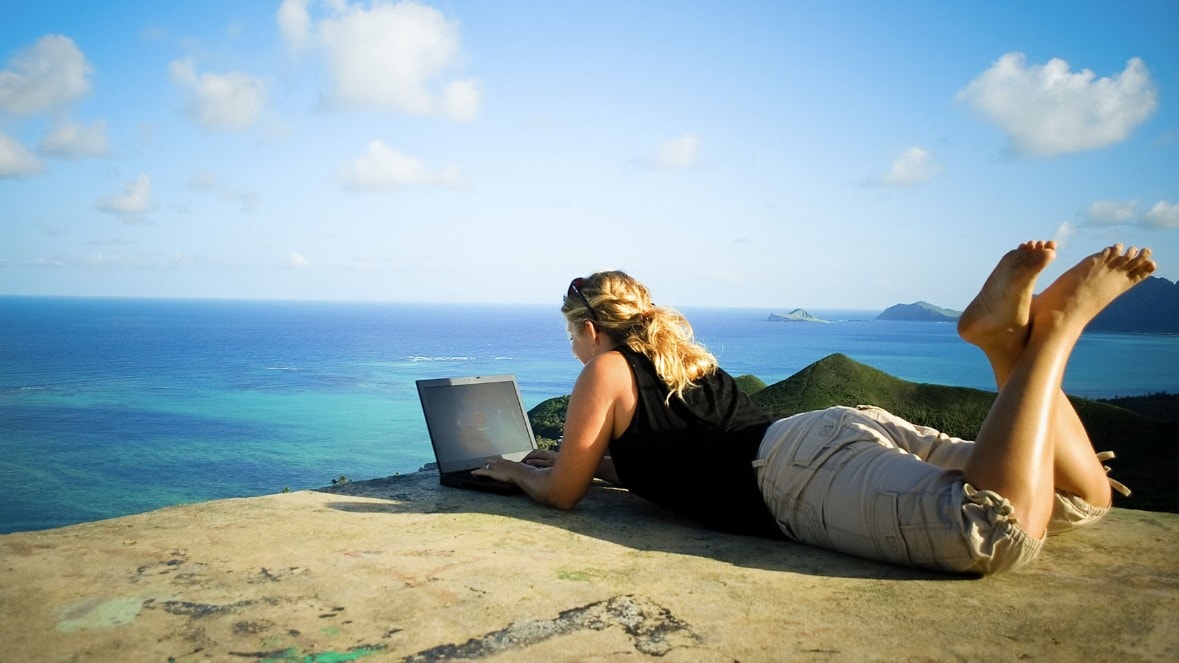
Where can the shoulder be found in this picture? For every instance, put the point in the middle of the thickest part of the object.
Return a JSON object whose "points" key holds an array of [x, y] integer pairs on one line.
{"points": [[609, 368], [607, 385], [608, 378]]}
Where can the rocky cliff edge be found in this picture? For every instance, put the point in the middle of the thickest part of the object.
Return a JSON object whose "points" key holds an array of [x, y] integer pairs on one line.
{"points": [[403, 569]]}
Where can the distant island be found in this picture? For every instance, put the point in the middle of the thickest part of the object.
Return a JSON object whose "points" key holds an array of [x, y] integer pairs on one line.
{"points": [[919, 312], [797, 315], [1151, 307]]}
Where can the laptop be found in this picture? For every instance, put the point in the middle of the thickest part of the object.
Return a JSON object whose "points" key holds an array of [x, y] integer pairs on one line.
{"points": [[472, 420]]}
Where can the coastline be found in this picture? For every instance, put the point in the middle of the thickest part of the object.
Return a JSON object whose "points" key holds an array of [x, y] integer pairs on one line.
{"points": [[117, 407]]}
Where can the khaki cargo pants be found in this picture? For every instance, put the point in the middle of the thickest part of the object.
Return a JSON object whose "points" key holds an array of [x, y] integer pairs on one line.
{"points": [[868, 483]]}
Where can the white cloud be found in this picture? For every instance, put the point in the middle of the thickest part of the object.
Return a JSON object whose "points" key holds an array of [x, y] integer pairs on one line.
{"points": [[460, 101], [294, 22], [76, 140], [46, 76], [132, 202], [118, 260], [297, 261], [388, 56], [1105, 212], [15, 159], [1064, 233], [220, 101], [673, 154], [1047, 110], [381, 168], [680, 152], [1163, 215], [914, 166]]}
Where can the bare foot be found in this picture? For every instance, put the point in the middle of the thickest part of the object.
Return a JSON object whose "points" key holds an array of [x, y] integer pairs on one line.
{"points": [[1089, 286], [998, 317]]}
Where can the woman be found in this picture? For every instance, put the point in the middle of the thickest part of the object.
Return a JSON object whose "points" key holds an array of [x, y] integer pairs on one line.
{"points": [[652, 412]]}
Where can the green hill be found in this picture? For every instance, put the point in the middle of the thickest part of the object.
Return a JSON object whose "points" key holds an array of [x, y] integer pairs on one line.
{"points": [[548, 421], [1147, 447], [838, 380], [750, 384]]}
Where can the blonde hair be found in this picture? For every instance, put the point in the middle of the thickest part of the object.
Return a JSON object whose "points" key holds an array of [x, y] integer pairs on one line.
{"points": [[621, 307]]}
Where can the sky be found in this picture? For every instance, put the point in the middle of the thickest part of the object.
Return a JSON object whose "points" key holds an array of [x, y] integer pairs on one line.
{"points": [[775, 155]]}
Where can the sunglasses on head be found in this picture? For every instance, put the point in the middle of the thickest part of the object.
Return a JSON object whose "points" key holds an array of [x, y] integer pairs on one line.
{"points": [[575, 291]]}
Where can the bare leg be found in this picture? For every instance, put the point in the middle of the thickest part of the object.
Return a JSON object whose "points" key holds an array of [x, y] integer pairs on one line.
{"points": [[1015, 453], [998, 322]]}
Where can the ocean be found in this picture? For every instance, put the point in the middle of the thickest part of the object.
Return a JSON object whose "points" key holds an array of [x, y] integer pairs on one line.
{"points": [[116, 406]]}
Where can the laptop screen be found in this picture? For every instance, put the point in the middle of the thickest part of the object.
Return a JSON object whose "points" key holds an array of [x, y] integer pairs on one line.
{"points": [[472, 419]]}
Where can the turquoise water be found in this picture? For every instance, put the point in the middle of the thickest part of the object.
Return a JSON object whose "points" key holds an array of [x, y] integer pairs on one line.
{"points": [[110, 407]]}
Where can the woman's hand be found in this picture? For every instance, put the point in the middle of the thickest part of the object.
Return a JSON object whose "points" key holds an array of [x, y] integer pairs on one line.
{"points": [[548, 458], [540, 458], [498, 469]]}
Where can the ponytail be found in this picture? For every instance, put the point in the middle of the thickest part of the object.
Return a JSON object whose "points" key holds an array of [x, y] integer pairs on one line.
{"points": [[621, 307]]}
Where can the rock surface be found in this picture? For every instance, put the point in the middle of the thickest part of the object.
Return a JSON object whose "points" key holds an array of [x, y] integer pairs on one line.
{"points": [[403, 569]]}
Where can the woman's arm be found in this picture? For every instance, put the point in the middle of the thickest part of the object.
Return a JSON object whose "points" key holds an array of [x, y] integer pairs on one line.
{"points": [[546, 458], [601, 406]]}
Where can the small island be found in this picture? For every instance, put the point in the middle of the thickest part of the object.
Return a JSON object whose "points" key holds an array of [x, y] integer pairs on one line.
{"points": [[919, 312], [1150, 308], [797, 315]]}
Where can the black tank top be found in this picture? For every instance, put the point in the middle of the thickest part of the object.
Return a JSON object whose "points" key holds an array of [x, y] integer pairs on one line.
{"points": [[694, 455]]}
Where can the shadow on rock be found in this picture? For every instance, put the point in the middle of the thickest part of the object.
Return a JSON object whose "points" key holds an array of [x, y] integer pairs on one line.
{"points": [[615, 515]]}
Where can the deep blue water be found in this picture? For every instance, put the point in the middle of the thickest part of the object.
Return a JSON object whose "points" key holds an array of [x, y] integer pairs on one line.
{"points": [[117, 406]]}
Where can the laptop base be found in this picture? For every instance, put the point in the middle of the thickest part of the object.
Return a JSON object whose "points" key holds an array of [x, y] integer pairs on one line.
{"points": [[464, 479]]}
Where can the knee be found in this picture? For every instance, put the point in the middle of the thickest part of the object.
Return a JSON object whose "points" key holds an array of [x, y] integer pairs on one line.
{"points": [[1071, 511]]}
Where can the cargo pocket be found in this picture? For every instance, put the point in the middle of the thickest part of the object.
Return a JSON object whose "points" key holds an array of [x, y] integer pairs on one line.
{"points": [[886, 530], [833, 439], [824, 437], [791, 479], [921, 529]]}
